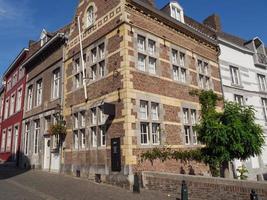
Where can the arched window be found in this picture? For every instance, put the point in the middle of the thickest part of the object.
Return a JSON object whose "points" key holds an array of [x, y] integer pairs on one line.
{"points": [[90, 16]]}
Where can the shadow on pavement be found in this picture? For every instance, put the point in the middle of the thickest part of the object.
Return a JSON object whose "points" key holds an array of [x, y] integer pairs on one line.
{"points": [[10, 169]]}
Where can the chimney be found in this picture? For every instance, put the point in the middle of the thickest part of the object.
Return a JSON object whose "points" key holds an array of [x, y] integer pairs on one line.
{"points": [[150, 2], [214, 22]]}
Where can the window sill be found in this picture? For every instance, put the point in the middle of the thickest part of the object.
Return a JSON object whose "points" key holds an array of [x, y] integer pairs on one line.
{"points": [[237, 86], [88, 28]]}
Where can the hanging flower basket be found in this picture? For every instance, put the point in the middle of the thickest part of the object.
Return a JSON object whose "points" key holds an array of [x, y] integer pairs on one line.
{"points": [[58, 129]]}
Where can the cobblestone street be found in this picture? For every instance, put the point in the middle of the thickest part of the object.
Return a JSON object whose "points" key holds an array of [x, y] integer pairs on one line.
{"points": [[34, 185]]}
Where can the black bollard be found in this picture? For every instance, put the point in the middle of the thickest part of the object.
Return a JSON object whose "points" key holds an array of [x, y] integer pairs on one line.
{"points": [[253, 195], [136, 186], [184, 191]]}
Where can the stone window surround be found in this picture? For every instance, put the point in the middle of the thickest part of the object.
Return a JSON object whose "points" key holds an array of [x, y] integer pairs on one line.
{"points": [[239, 94], [17, 125], [84, 25], [88, 126], [259, 85], [180, 50], [79, 129], [147, 36], [88, 63], [10, 128], [199, 58], [6, 107], [136, 108], [39, 80], [181, 114]]}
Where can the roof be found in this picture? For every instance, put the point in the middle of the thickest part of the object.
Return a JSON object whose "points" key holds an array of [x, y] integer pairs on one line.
{"points": [[167, 19], [15, 61], [232, 38]]}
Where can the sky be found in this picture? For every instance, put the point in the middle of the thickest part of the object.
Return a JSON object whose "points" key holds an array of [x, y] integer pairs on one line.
{"points": [[23, 20]]}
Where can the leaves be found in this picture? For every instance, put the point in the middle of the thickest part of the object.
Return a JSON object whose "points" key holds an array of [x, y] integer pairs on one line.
{"points": [[57, 129]]}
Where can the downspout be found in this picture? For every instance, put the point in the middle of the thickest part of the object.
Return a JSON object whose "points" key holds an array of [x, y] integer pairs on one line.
{"points": [[81, 52]]}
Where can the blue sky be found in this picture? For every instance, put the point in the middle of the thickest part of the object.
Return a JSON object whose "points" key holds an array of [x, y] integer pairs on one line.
{"points": [[21, 20]]}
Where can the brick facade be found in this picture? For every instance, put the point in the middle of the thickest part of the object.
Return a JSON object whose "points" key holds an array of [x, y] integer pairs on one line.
{"points": [[123, 85]]}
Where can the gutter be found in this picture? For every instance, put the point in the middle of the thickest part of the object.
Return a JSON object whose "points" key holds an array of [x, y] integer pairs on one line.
{"points": [[57, 36], [174, 23]]}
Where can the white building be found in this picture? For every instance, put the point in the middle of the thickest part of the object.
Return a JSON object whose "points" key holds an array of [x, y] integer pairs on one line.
{"points": [[243, 67]]}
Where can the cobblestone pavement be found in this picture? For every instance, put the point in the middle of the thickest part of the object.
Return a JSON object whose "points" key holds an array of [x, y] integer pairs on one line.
{"points": [[37, 185]]}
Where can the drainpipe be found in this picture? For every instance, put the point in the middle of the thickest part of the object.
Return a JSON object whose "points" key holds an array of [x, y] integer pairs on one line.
{"points": [[83, 67]]}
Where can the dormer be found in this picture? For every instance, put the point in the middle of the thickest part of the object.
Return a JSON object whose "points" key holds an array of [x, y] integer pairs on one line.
{"points": [[176, 11], [257, 46], [43, 37]]}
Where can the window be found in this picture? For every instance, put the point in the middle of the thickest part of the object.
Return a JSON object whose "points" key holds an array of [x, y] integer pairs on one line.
{"points": [[98, 65], [93, 116], [76, 139], [103, 135], [144, 133], [55, 141], [141, 62], [47, 123], [56, 84], [36, 135], [141, 43], [39, 92], [9, 84], [177, 12], [21, 72], [76, 121], [93, 137], [82, 139], [189, 121], [235, 75], [178, 66], [83, 119], [90, 16], [77, 66], [79, 130], [264, 105], [3, 141], [239, 99], [147, 59], [94, 55], [102, 51], [101, 69], [12, 105], [151, 47], [8, 141], [30, 97], [152, 65], [144, 110], [26, 138], [15, 78], [204, 77], [155, 111], [262, 82], [19, 100], [155, 134], [101, 115], [6, 108], [149, 130]]}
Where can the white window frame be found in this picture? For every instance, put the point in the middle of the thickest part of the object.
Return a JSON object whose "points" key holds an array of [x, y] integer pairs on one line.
{"points": [[239, 99], [6, 114], [39, 92], [12, 104], [3, 141], [37, 128], [103, 135], [76, 139], [19, 100], [154, 111], [144, 133], [262, 82], [56, 83], [94, 136], [82, 139], [189, 121], [235, 76], [264, 105], [90, 16], [143, 110], [155, 134], [26, 138]]}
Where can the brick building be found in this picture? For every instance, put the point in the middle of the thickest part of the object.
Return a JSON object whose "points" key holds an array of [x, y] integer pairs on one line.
{"points": [[12, 108], [43, 102], [133, 93]]}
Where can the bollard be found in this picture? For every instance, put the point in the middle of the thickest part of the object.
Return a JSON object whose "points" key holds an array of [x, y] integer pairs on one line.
{"points": [[184, 191], [253, 195], [136, 186]]}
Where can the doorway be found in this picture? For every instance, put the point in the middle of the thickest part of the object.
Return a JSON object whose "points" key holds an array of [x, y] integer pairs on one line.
{"points": [[116, 155], [47, 153]]}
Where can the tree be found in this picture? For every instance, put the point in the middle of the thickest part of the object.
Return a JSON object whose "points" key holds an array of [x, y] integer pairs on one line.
{"points": [[227, 135]]}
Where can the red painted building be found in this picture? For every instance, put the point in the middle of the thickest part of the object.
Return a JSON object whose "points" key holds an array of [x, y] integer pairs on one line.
{"points": [[12, 109]]}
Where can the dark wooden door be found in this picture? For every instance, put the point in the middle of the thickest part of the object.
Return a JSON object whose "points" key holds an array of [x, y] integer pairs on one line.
{"points": [[116, 155]]}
